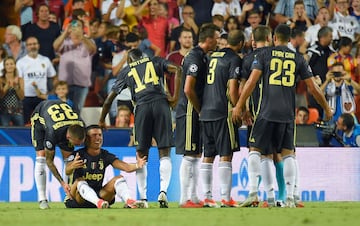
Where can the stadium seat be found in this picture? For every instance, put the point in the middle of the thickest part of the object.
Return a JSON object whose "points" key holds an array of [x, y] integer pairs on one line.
{"points": [[91, 115], [313, 115]]}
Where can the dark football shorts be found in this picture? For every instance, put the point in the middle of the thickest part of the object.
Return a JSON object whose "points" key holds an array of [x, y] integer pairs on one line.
{"points": [[153, 120], [272, 137], [220, 137]]}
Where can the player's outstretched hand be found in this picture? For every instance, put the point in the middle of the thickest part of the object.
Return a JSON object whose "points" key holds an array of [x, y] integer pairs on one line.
{"points": [[66, 188], [140, 161]]}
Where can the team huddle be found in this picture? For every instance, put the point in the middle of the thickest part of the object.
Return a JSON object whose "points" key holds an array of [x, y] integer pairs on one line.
{"points": [[215, 92]]}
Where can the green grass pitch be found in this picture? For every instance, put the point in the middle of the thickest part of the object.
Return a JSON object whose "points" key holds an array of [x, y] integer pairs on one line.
{"points": [[314, 213]]}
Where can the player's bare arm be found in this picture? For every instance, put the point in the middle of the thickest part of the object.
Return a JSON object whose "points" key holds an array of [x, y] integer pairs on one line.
{"points": [[106, 107], [50, 154], [246, 92], [189, 90], [319, 97], [129, 167], [177, 70]]}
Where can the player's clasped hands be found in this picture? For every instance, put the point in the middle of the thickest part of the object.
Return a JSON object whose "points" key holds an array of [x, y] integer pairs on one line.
{"points": [[237, 115]]}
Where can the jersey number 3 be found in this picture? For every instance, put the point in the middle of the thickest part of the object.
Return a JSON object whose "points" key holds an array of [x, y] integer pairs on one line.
{"points": [[149, 77], [211, 75], [278, 67]]}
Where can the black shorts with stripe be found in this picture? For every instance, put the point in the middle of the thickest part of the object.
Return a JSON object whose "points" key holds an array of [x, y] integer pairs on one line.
{"points": [[272, 137], [37, 132], [153, 119], [220, 137], [188, 140]]}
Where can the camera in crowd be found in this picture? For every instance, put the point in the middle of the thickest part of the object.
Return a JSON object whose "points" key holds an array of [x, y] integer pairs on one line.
{"points": [[328, 131]]}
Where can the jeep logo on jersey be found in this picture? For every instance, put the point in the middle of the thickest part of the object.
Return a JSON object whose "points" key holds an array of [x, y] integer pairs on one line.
{"points": [[48, 145], [193, 68]]}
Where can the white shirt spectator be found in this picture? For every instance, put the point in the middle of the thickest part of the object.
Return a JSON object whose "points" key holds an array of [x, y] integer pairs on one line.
{"points": [[220, 8], [311, 34], [35, 70], [113, 18], [346, 26]]}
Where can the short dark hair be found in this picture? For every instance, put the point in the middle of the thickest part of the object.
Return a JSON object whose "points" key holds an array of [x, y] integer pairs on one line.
{"points": [[324, 31], [235, 37], [303, 108], [132, 37], [348, 120], [134, 55], [93, 126], [207, 31], [261, 32], [296, 33], [77, 131], [283, 32]]}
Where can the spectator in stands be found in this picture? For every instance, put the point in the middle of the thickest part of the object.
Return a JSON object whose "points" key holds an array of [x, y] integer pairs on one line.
{"points": [[284, 10], [94, 27], [24, 8], [127, 14], [188, 16], [226, 8], [86, 5], [52, 17], [108, 11], [172, 21], [322, 20], [76, 52], [339, 90], [219, 21], [79, 14], [203, 14], [222, 42], [123, 117], [341, 21], [231, 23], [343, 55], [318, 55], [155, 25], [13, 45], [45, 31], [70, 15], [350, 63], [11, 95], [350, 129], [146, 45], [177, 56], [3, 55], [300, 20], [355, 9], [254, 19], [56, 6], [34, 69], [61, 90], [302, 115]]}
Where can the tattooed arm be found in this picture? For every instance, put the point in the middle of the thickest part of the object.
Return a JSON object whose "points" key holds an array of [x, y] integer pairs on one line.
{"points": [[50, 154]]}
